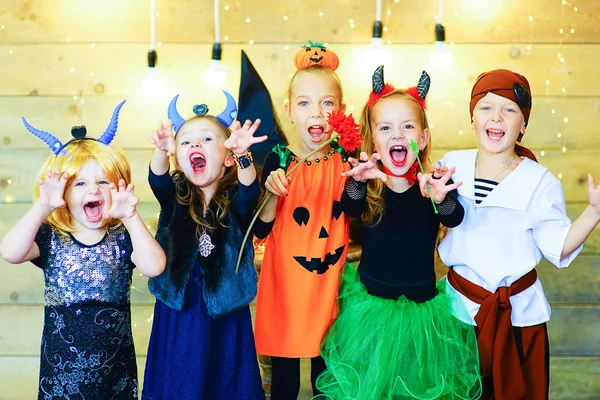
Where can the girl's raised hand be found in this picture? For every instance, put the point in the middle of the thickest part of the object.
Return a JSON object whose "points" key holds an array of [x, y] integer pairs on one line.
{"points": [[365, 168], [164, 139], [52, 189], [123, 201], [438, 187], [242, 137]]}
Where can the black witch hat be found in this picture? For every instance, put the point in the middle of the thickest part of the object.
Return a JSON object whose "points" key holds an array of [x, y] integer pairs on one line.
{"points": [[255, 102]]}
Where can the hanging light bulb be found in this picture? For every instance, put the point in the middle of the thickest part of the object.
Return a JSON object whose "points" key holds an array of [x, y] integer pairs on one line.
{"points": [[377, 40], [376, 54], [441, 57], [215, 76], [153, 82]]}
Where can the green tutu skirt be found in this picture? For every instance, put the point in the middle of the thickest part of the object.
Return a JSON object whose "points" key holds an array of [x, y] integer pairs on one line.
{"points": [[398, 349]]}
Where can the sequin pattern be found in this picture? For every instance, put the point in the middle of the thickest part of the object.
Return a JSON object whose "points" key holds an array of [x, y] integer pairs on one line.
{"points": [[87, 353], [87, 349], [76, 273]]}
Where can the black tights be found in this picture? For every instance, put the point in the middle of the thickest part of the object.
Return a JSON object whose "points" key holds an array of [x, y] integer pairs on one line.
{"points": [[285, 381]]}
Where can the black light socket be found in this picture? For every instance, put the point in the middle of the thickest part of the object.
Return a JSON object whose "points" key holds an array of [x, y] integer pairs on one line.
{"points": [[217, 51], [440, 33], [152, 58], [377, 29]]}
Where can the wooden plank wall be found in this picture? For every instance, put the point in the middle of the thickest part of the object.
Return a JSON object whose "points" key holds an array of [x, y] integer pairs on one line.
{"points": [[64, 63]]}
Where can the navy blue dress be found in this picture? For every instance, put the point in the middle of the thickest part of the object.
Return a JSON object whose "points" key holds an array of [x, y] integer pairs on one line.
{"points": [[192, 355]]}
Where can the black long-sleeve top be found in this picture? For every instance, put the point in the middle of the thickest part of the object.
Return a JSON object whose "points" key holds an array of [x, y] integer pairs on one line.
{"points": [[398, 252]]}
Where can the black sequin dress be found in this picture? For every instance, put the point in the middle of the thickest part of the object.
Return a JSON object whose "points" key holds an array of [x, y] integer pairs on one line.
{"points": [[87, 347]]}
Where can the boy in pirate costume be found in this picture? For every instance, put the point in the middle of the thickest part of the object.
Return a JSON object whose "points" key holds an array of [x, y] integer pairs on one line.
{"points": [[514, 215]]}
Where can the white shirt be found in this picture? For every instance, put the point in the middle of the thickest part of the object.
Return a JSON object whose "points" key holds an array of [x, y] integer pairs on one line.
{"points": [[522, 220]]}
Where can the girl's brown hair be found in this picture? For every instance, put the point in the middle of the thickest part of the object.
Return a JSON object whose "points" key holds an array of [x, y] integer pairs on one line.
{"points": [[190, 195]]}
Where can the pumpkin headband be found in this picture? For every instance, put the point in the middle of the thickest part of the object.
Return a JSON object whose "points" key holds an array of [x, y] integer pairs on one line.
{"points": [[380, 88], [226, 117], [78, 133], [315, 54]]}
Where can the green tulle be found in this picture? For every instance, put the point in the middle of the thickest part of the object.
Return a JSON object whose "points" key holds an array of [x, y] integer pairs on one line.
{"points": [[398, 349]]}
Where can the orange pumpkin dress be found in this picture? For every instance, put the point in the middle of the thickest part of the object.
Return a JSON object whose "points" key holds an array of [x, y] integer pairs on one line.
{"points": [[303, 260]]}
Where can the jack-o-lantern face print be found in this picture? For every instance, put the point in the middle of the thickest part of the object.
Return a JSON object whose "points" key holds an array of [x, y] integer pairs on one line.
{"points": [[320, 265], [316, 53]]}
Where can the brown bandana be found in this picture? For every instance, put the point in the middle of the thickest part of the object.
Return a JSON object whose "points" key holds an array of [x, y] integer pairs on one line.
{"points": [[500, 82], [510, 85]]}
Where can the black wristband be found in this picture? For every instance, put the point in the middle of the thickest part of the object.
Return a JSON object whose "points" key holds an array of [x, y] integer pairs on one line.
{"points": [[243, 161]]}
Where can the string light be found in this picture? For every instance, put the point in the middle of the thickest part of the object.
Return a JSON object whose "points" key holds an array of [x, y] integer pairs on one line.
{"points": [[542, 153]]}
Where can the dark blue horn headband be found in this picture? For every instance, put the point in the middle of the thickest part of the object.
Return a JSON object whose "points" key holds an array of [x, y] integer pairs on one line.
{"points": [[226, 117], [78, 133]]}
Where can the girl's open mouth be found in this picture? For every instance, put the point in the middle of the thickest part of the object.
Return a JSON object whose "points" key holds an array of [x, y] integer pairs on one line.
{"points": [[398, 154], [198, 162], [93, 210]]}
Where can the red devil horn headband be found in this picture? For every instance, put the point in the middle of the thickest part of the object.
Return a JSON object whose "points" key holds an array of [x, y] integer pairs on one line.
{"points": [[380, 88]]}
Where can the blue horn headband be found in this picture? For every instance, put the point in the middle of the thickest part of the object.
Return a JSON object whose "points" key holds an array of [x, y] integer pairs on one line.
{"points": [[78, 133], [226, 117]]}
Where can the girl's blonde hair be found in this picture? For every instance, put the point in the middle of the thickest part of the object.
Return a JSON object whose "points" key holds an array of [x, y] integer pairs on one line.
{"points": [[190, 195], [375, 203], [111, 159], [316, 69]]}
